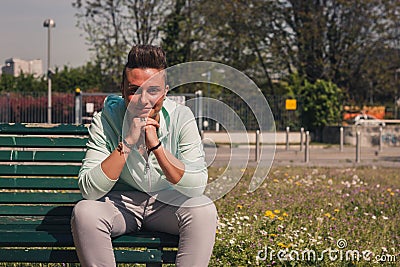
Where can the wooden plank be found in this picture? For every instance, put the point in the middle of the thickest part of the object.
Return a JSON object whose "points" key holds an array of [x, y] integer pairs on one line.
{"points": [[43, 129], [42, 156], [35, 220], [39, 197], [42, 142], [63, 255], [45, 170], [39, 183], [64, 239], [35, 210]]}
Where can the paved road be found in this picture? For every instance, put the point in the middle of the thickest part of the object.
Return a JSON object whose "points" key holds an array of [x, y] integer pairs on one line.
{"points": [[320, 155]]}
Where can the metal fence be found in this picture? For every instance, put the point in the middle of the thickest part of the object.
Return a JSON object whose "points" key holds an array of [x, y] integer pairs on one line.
{"points": [[31, 107]]}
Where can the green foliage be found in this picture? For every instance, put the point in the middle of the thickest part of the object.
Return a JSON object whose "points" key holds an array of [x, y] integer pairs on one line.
{"points": [[322, 104], [87, 78]]}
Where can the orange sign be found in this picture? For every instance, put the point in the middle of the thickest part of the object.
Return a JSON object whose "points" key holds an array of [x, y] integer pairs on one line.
{"points": [[291, 104]]}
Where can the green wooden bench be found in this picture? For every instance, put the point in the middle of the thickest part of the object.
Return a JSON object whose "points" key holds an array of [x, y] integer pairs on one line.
{"points": [[38, 189]]}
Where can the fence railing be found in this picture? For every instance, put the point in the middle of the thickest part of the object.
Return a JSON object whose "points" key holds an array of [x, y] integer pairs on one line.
{"points": [[31, 107]]}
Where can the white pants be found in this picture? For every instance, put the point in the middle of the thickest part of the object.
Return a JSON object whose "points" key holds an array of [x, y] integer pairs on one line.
{"points": [[95, 222]]}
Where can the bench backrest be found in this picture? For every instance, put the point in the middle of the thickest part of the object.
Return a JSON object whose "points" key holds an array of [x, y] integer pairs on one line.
{"points": [[38, 171]]}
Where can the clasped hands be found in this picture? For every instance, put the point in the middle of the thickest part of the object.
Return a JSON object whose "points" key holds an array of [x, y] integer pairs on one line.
{"points": [[143, 131]]}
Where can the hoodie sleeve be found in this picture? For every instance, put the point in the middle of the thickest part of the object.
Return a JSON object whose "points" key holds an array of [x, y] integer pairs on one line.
{"points": [[93, 183], [191, 154]]}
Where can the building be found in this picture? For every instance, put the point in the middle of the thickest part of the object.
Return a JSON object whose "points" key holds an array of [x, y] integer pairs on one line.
{"points": [[16, 66]]}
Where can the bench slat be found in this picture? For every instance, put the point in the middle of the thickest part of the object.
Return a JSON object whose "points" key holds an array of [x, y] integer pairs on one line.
{"points": [[48, 129], [62, 256], [24, 210], [39, 197], [42, 156], [64, 239], [39, 183], [49, 170], [42, 142]]}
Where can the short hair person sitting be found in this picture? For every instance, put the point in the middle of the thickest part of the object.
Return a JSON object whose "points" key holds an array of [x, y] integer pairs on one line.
{"points": [[152, 145]]}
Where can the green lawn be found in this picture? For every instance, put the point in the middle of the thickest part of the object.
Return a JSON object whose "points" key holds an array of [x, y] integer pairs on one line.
{"points": [[332, 212]]}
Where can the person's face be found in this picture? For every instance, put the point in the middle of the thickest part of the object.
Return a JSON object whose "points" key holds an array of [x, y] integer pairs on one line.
{"points": [[144, 99]]}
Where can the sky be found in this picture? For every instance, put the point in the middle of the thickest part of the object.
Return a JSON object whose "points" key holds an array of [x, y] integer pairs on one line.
{"points": [[23, 36]]}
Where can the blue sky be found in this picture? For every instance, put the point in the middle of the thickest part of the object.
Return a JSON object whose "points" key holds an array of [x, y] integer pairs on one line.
{"points": [[23, 36]]}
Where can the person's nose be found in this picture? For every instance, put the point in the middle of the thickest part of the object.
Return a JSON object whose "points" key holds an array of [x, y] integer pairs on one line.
{"points": [[144, 100]]}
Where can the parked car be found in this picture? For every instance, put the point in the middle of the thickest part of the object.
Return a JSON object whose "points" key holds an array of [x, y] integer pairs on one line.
{"points": [[368, 120]]}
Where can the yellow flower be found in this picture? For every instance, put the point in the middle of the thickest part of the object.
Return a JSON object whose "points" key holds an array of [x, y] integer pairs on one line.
{"points": [[268, 213], [391, 193], [285, 214], [276, 180], [328, 215], [239, 206], [337, 210], [280, 218], [277, 211], [283, 245], [298, 183], [272, 235], [389, 189]]}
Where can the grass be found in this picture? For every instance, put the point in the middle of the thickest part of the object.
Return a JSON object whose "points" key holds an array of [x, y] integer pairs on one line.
{"points": [[319, 209], [330, 211]]}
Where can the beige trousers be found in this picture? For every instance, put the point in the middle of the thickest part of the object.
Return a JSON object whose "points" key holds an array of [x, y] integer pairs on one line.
{"points": [[94, 223]]}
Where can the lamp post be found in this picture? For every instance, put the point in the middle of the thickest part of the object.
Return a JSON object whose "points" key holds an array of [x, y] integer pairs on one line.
{"points": [[48, 23]]}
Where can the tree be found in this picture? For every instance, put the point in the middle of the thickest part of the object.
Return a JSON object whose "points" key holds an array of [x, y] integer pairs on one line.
{"points": [[113, 26]]}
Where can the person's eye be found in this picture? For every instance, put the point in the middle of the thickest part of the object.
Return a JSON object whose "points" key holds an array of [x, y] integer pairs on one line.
{"points": [[154, 90]]}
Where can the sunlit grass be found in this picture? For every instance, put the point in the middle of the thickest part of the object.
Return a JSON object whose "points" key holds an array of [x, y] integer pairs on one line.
{"points": [[311, 208]]}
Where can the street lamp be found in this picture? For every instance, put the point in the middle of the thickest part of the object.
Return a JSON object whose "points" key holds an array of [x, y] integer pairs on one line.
{"points": [[48, 23]]}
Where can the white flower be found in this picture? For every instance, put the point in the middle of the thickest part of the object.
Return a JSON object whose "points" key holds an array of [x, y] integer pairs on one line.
{"points": [[374, 217], [385, 218]]}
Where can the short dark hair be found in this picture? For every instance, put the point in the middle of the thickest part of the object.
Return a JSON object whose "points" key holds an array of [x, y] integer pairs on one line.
{"points": [[146, 56], [143, 57]]}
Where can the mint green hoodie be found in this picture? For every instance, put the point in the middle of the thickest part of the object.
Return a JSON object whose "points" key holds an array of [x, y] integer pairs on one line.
{"points": [[178, 134]]}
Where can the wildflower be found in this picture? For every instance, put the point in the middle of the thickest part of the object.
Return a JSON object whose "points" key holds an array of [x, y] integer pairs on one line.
{"points": [[385, 218], [285, 214], [374, 217], [283, 245], [272, 235], [247, 218], [276, 180], [389, 189], [277, 211], [269, 214], [328, 215], [255, 217], [280, 218], [391, 193], [336, 210], [239, 206]]}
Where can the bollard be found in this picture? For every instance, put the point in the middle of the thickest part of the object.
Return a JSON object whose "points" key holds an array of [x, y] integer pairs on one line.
{"points": [[301, 138], [78, 106], [358, 147], [380, 139], [341, 139], [307, 148], [257, 152], [287, 137]]}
